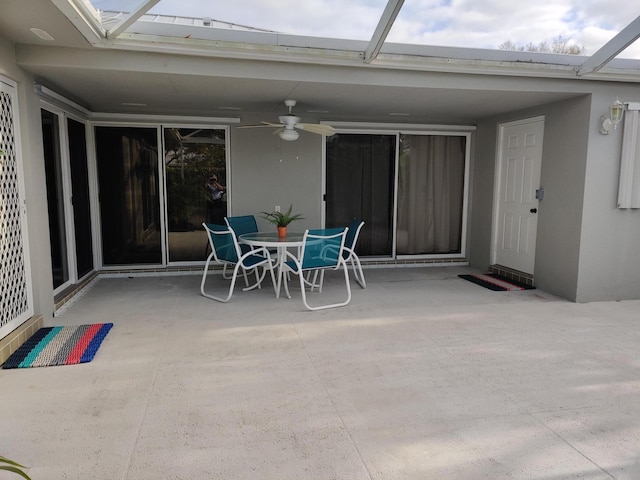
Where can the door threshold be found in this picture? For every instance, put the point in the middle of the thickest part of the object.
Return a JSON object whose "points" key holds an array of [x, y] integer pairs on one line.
{"points": [[512, 274]]}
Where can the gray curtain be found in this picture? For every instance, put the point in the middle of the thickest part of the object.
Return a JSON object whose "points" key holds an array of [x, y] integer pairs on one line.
{"points": [[430, 194]]}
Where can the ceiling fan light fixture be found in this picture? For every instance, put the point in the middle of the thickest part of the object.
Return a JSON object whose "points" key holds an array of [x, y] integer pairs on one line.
{"points": [[289, 135]]}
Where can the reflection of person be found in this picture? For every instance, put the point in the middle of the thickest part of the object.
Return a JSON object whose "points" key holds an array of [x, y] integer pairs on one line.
{"points": [[217, 205]]}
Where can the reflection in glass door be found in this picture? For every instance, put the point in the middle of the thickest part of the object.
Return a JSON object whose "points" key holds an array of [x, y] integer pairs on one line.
{"points": [[127, 160], [192, 157]]}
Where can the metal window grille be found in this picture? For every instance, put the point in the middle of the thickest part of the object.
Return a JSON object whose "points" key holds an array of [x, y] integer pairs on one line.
{"points": [[15, 305]]}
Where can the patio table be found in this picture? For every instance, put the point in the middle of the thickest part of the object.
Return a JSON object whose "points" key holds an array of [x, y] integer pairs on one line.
{"points": [[271, 240]]}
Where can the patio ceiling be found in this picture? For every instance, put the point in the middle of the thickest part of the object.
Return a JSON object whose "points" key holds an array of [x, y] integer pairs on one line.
{"points": [[148, 67]]}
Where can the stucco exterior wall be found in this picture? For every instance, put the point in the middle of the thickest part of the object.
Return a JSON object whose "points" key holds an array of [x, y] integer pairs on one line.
{"points": [[587, 249], [559, 213], [610, 247], [267, 171], [36, 199]]}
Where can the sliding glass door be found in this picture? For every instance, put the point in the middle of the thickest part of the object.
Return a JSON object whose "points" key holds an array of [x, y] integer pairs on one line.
{"points": [[431, 176], [145, 221], [129, 194], [191, 157], [421, 213], [55, 197], [68, 200], [76, 133], [359, 184]]}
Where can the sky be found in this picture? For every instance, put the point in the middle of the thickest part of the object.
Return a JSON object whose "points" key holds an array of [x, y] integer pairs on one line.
{"points": [[460, 23]]}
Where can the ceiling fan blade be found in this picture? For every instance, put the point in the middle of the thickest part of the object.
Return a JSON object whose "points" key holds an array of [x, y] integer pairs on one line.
{"points": [[316, 128]]}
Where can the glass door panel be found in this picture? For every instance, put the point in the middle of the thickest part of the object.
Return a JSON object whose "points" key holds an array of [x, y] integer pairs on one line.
{"points": [[430, 194], [192, 157], [80, 196], [127, 160], [55, 197], [359, 184]]}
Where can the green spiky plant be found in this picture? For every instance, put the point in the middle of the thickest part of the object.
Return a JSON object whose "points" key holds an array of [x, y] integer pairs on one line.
{"points": [[282, 219], [11, 466]]}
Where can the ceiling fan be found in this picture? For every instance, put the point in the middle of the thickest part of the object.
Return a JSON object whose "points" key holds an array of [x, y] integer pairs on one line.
{"points": [[290, 122]]}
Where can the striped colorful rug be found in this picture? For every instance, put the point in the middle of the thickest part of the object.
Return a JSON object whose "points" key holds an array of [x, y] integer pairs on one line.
{"points": [[59, 346], [496, 282]]}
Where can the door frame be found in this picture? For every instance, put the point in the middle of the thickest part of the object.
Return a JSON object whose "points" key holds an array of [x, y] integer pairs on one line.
{"points": [[498, 186]]}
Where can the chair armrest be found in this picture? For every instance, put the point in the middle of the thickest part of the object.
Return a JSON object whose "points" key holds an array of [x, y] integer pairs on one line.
{"points": [[254, 252]]}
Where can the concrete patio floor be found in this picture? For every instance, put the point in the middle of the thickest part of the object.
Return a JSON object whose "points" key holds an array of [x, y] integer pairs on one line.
{"points": [[423, 376]]}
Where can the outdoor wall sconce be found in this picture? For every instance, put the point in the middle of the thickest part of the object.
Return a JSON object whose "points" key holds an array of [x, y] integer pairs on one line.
{"points": [[616, 111]]}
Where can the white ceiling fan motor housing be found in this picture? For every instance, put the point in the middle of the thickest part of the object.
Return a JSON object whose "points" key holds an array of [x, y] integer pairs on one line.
{"points": [[289, 120]]}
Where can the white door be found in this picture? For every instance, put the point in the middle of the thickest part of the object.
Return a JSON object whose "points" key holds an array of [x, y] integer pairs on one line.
{"points": [[518, 178]]}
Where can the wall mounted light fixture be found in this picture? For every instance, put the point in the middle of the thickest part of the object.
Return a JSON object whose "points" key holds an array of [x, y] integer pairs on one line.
{"points": [[616, 111]]}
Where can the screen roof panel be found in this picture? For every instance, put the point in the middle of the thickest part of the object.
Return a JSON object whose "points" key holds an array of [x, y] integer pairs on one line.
{"points": [[455, 23]]}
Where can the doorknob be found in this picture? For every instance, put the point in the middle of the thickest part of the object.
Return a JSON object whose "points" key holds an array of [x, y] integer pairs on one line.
{"points": [[534, 210]]}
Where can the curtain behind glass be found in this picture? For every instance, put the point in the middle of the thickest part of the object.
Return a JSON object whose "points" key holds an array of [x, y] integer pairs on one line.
{"points": [[127, 159], [430, 194], [360, 175]]}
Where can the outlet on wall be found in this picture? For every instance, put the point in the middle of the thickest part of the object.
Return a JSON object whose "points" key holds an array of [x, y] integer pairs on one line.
{"points": [[277, 209]]}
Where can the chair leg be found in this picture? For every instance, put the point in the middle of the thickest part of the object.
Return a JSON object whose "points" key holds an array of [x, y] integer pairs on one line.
{"points": [[344, 267], [312, 280], [357, 271], [285, 282], [204, 278], [273, 276], [225, 275], [258, 283]]}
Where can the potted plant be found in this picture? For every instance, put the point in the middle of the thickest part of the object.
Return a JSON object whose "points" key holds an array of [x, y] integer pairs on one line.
{"points": [[281, 220]]}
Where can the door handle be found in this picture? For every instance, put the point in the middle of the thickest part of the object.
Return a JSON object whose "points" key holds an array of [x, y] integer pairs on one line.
{"points": [[534, 210]]}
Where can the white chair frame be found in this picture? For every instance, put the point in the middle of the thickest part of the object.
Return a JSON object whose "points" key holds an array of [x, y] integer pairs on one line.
{"points": [[301, 272], [352, 259], [248, 262]]}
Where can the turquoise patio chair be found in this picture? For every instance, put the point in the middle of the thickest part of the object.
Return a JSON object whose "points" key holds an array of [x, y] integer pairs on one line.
{"points": [[321, 250], [240, 224], [226, 251], [349, 255]]}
